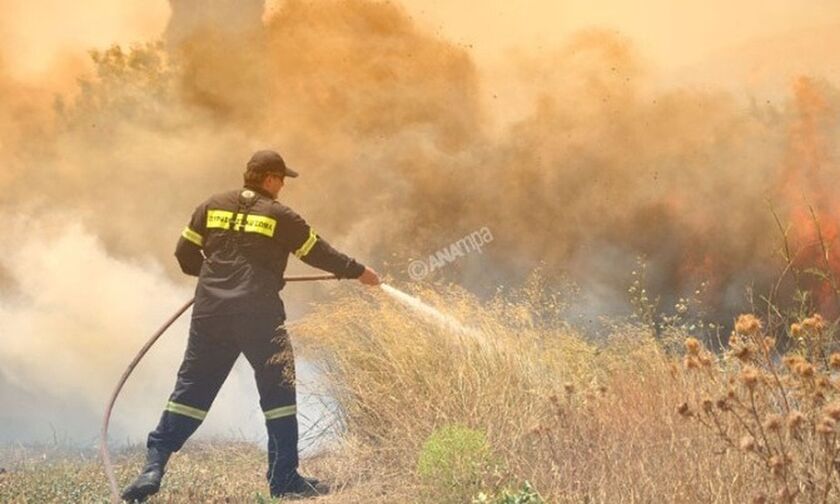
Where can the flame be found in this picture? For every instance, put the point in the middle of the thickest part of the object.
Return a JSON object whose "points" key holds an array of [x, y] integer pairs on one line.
{"points": [[806, 187]]}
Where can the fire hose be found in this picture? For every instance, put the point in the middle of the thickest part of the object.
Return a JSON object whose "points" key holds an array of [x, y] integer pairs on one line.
{"points": [[103, 441]]}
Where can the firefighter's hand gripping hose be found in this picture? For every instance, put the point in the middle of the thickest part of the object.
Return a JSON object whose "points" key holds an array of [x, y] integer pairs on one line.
{"points": [[103, 441]]}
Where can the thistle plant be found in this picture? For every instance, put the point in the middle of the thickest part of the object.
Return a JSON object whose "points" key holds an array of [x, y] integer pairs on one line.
{"points": [[778, 412]]}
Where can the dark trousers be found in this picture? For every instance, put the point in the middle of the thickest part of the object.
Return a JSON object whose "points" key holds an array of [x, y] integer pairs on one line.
{"points": [[213, 347]]}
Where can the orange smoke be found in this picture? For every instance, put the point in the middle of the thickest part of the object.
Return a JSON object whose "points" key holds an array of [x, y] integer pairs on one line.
{"points": [[388, 126]]}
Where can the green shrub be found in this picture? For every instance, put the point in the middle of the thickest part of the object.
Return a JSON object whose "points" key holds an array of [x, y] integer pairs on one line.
{"points": [[454, 457]]}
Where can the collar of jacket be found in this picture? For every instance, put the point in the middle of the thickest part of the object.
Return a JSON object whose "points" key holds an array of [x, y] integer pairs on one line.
{"points": [[259, 190]]}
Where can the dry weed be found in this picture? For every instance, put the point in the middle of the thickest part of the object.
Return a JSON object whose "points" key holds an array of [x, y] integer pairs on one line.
{"points": [[777, 413]]}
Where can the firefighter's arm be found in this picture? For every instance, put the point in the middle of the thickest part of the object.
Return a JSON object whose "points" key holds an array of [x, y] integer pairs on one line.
{"points": [[188, 250], [312, 249], [324, 256]]}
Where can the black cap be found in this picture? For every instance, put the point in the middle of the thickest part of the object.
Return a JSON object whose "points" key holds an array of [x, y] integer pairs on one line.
{"points": [[269, 161]]}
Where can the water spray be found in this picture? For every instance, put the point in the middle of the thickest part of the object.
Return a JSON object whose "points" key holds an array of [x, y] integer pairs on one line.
{"points": [[431, 314], [103, 440]]}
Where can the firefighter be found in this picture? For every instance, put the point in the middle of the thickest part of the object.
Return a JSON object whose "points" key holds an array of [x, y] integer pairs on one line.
{"points": [[238, 243]]}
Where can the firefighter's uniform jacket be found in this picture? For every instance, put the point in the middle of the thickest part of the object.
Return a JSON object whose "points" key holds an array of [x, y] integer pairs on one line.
{"points": [[238, 243]]}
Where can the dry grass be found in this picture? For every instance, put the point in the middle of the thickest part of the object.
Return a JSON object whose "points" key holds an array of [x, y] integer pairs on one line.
{"points": [[229, 472], [579, 421], [206, 472], [582, 423]]}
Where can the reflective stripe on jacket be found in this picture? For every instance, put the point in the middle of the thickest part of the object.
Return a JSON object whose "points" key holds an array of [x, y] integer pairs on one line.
{"points": [[238, 244]]}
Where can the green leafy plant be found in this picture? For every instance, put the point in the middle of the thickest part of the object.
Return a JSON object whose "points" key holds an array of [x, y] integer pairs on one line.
{"points": [[453, 457]]}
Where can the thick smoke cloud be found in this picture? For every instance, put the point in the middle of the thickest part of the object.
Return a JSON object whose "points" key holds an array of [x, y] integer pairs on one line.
{"points": [[388, 126], [68, 327]]}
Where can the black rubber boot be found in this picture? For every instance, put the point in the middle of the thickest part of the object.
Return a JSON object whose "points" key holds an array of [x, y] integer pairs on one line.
{"points": [[297, 487], [148, 483]]}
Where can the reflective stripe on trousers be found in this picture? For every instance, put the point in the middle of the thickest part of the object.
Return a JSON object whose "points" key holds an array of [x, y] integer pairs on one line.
{"points": [[213, 346]]}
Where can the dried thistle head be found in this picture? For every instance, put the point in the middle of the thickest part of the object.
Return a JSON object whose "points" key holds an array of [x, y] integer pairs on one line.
{"points": [[740, 349], [692, 346], [569, 387], [834, 360], [791, 361], [749, 377], [684, 410], [805, 369], [773, 423], [747, 324], [795, 420], [796, 330], [722, 404], [707, 405], [705, 360], [814, 323]]}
